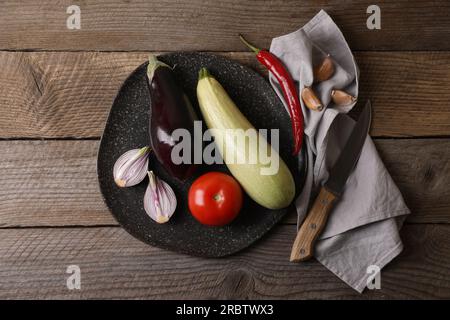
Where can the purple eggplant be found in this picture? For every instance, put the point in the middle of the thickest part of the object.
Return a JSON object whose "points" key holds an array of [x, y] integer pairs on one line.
{"points": [[170, 109]]}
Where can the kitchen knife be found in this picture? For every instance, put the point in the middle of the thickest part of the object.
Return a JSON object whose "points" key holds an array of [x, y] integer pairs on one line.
{"points": [[317, 216]]}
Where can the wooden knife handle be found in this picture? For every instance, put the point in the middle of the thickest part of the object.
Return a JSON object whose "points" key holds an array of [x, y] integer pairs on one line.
{"points": [[312, 226]]}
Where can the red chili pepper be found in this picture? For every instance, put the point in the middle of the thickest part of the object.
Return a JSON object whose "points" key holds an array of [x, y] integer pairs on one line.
{"points": [[290, 94]]}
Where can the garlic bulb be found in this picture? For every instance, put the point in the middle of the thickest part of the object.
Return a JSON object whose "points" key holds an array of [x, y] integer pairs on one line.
{"points": [[131, 167]]}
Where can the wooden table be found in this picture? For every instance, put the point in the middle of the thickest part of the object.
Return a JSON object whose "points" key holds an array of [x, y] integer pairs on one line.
{"points": [[57, 86]]}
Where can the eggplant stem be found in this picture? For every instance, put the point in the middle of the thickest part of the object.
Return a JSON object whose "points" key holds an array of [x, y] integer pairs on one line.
{"points": [[153, 64], [253, 48]]}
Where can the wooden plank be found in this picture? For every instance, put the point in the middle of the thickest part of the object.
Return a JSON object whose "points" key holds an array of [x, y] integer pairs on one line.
{"points": [[407, 92], [207, 25], [60, 94], [66, 94], [114, 265], [46, 181], [54, 183]]}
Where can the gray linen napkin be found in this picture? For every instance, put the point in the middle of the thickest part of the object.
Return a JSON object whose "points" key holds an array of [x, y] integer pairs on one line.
{"points": [[363, 228]]}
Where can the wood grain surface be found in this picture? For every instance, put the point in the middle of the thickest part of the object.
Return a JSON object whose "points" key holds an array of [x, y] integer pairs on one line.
{"points": [[115, 265], [69, 94], [57, 181], [209, 25], [56, 89]]}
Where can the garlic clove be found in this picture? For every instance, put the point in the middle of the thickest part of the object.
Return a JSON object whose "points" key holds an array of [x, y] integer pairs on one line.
{"points": [[131, 167], [160, 201], [342, 98], [324, 70], [310, 99]]}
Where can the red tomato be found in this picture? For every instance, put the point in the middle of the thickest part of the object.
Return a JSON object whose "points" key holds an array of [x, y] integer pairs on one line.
{"points": [[215, 199]]}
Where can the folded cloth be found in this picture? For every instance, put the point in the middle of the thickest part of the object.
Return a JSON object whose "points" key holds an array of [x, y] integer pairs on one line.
{"points": [[363, 228]]}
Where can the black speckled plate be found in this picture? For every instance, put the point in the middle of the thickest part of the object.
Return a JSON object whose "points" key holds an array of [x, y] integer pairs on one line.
{"points": [[127, 128]]}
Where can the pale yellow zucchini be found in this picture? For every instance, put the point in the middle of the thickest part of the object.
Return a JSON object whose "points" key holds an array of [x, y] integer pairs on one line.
{"points": [[273, 191]]}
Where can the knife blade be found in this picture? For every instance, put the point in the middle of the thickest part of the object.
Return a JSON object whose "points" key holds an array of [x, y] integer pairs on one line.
{"points": [[331, 190]]}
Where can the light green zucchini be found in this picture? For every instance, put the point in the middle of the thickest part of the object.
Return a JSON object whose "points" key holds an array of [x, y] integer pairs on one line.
{"points": [[273, 191]]}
